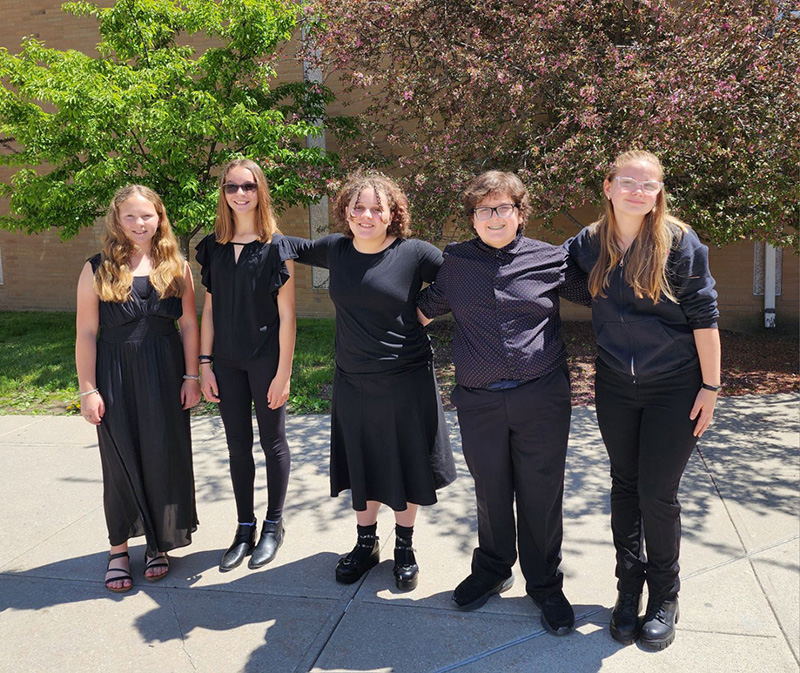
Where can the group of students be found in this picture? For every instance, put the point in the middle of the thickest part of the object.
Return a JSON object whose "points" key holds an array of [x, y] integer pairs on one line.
{"points": [[644, 273]]}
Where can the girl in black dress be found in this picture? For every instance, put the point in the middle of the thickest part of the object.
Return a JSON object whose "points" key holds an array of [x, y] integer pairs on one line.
{"points": [[138, 381], [655, 313], [389, 439], [248, 332]]}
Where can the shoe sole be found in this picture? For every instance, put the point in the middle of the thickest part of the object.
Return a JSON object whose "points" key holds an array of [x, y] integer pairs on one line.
{"points": [[505, 585], [657, 645], [371, 563], [625, 640], [407, 585]]}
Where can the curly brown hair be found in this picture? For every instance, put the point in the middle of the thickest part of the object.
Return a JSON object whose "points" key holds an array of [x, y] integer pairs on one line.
{"points": [[400, 222], [495, 183]]}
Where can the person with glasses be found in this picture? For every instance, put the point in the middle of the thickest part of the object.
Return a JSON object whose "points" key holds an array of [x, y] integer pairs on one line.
{"points": [[654, 310], [389, 439], [512, 392], [247, 337]]}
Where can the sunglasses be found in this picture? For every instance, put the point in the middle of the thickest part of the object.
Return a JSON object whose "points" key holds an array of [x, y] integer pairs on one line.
{"points": [[233, 188]]}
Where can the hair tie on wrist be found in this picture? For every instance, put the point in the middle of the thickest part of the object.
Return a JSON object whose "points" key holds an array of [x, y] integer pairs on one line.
{"points": [[713, 389]]}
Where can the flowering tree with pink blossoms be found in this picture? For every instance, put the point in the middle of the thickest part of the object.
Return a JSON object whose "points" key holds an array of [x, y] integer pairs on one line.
{"points": [[554, 89]]}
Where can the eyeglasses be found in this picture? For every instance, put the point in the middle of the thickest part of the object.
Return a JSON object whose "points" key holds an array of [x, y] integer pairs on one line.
{"points": [[232, 188], [649, 187], [485, 212]]}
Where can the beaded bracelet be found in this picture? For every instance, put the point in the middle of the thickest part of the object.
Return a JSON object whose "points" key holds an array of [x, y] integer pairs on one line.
{"points": [[89, 392], [191, 377]]}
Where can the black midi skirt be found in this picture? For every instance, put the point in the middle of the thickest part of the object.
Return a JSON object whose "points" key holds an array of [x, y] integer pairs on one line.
{"points": [[389, 438]]}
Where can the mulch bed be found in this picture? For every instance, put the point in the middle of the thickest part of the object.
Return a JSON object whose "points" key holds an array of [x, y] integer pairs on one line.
{"points": [[751, 364]]}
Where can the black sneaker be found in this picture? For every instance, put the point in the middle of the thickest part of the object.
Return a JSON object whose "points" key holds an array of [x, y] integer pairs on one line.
{"points": [[558, 616], [474, 591]]}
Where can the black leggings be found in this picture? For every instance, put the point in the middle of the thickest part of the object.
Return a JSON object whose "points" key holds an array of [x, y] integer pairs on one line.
{"points": [[241, 383], [648, 435]]}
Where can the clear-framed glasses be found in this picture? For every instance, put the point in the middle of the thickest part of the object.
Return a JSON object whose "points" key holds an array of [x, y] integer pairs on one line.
{"points": [[485, 212], [649, 187], [247, 187]]}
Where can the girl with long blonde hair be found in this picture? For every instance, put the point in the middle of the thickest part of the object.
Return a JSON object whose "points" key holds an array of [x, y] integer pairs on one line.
{"points": [[138, 380], [654, 311], [247, 345]]}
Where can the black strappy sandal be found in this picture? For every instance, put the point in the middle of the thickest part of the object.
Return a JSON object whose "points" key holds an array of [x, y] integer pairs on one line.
{"points": [[160, 561], [121, 576]]}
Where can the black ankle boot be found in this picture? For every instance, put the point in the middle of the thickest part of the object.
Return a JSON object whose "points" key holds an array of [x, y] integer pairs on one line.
{"points": [[658, 626], [267, 547], [242, 545], [624, 624], [406, 570], [365, 555]]}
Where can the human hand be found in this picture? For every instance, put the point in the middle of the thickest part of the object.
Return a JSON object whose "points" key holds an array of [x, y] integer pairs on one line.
{"points": [[190, 393], [278, 391], [208, 384], [703, 410], [93, 408], [422, 319]]}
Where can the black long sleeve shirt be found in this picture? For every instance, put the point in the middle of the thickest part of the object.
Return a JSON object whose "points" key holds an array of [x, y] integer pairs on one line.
{"points": [[506, 307]]}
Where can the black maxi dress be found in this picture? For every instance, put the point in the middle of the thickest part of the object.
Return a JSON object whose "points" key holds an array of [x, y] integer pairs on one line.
{"points": [[144, 436], [389, 437]]}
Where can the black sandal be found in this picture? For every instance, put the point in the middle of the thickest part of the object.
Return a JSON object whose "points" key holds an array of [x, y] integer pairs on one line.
{"points": [[160, 561], [121, 576]]}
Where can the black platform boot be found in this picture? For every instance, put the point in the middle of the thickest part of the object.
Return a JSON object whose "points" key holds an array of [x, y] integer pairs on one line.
{"points": [[624, 625], [365, 555], [658, 626], [405, 570], [242, 545]]}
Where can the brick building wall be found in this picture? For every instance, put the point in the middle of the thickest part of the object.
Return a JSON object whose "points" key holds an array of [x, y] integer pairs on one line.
{"points": [[40, 271]]}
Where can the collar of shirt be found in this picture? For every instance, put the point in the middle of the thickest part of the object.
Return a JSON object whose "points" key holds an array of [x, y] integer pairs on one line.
{"points": [[507, 250]]}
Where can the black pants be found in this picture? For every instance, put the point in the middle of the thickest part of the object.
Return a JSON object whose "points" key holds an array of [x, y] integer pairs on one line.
{"points": [[515, 445], [648, 436], [242, 383]]}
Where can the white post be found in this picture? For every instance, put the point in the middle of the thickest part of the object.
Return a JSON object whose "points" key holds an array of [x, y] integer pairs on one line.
{"points": [[770, 279]]}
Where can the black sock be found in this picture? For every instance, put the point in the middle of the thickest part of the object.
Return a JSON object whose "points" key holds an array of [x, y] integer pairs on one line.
{"points": [[405, 533], [367, 531]]}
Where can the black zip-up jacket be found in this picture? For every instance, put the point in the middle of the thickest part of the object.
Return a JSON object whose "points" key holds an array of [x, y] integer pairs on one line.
{"points": [[642, 340]]}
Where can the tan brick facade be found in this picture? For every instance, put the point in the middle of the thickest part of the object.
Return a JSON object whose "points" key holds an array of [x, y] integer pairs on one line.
{"points": [[40, 272]]}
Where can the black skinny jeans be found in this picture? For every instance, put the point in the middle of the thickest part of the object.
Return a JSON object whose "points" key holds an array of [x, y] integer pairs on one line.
{"points": [[241, 383], [648, 436]]}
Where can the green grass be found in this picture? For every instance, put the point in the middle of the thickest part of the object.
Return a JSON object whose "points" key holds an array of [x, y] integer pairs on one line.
{"points": [[37, 365]]}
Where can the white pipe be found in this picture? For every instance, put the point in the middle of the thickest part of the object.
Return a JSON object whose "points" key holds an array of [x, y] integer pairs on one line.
{"points": [[770, 280]]}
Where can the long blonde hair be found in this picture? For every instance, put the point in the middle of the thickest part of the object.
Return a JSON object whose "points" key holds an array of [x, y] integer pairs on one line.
{"points": [[113, 278], [265, 222], [646, 262]]}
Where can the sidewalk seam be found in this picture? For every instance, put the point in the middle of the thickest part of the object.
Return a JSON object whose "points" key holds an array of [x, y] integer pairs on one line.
{"points": [[748, 557]]}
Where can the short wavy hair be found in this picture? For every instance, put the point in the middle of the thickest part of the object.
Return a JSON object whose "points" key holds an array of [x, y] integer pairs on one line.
{"points": [[492, 183], [400, 218]]}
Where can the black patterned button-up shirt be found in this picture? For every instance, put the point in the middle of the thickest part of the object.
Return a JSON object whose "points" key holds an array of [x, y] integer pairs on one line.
{"points": [[506, 307]]}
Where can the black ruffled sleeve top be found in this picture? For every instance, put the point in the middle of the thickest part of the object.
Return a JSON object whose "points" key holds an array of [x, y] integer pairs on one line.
{"points": [[245, 294]]}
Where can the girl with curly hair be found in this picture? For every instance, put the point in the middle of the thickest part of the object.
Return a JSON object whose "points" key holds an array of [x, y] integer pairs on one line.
{"points": [[389, 440]]}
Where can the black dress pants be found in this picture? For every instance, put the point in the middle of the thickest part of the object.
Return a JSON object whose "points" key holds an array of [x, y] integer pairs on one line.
{"points": [[515, 445], [242, 385], [648, 436]]}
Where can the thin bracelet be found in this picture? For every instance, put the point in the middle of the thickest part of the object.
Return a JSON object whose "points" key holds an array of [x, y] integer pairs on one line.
{"points": [[191, 377], [713, 389], [89, 392]]}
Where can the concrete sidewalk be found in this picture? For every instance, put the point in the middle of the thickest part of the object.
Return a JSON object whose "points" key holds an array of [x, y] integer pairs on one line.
{"points": [[739, 602]]}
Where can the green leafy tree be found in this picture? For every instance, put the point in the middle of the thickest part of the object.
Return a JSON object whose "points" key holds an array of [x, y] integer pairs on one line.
{"points": [[554, 89], [147, 107]]}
